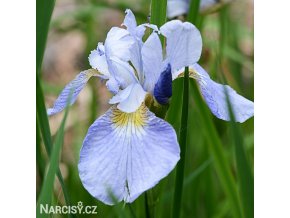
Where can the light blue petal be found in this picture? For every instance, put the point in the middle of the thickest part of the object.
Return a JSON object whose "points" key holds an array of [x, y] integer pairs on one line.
{"points": [[215, 97], [180, 7], [137, 33], [71, 91], [122, 72], [183, 43], [136, 58], [177, 7], [126, 154], [98, 61], [112, 85], [118, 43], [152, 61], [129, 99], [130, 21]]}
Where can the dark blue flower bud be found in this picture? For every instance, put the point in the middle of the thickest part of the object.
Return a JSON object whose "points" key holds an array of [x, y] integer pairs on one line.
{"points": [[163, 87]]}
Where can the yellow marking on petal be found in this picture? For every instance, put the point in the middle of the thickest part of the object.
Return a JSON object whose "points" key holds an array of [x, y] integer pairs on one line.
{"points": [[93, 72], [137, 118], [192, 74]]}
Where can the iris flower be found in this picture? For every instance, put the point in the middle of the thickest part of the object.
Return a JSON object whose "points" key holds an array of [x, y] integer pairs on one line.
{"points": [[128, 150]]}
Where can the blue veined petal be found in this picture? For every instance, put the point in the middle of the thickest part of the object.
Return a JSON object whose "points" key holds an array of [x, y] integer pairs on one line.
{"points": [[152, 61], [163, 88], [129, 99], [183, 43], [75, 86], [126, 154], [215, 97], [177, 7]]}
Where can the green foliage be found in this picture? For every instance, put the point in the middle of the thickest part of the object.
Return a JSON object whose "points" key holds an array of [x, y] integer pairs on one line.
{"points": [[158, 12], [47, 187]]}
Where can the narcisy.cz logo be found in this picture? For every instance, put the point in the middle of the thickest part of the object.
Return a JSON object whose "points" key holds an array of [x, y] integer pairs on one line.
{"points": [[71, 209]]}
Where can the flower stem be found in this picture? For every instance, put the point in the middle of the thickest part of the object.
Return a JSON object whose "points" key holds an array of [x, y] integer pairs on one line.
{"points": [[182, 142]]}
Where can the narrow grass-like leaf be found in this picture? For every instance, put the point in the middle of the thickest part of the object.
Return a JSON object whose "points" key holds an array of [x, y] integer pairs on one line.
{"points": [[158, 12], [182, 142], [158, 17], [43, 14], [246, 180], [193, 11], [47, 188], [45, 131], [221, 164], [39, 159]]}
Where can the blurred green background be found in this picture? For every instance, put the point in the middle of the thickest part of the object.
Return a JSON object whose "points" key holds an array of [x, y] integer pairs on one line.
{"points": [[75, 29]]}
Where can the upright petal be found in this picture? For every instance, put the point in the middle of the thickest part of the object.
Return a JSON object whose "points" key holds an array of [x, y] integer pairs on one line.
{"points": [[130, 21], [152, 61], [215, 97], [131, 24], [126, 154], [137, 33], [136, 59], [71, 91], [183, 43], [98, 61], [118, 43], [122, 71], [129, 99]]}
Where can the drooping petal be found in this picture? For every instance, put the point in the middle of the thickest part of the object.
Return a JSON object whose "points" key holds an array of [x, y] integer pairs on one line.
{"points": [[98, 61], [152, 61], [129, 99], [177, 7], [71, 91], [163, 88], [183, 43], [215, 97], [126, 154]]}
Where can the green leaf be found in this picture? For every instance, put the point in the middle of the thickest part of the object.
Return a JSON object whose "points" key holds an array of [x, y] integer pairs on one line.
{"points": [[39, 159], [221, 163], [44, 10], [47, 188], [193, 11], [182, 142], [43, 15], [244, 173], [158, 12]]}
